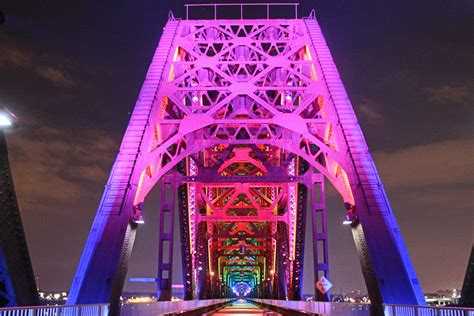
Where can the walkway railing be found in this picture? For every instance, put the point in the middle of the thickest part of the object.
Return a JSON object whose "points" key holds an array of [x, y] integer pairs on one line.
{"points": [[413, 310], [326, 308], [59, 310], [159, 308], [340, 309], [242, 6]]}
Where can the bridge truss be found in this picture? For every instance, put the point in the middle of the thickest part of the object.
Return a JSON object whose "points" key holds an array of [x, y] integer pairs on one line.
{"points": [[241, 121]]}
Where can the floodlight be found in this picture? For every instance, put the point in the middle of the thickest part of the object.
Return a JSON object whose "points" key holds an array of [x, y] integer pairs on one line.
{"points": [[7, 119]]}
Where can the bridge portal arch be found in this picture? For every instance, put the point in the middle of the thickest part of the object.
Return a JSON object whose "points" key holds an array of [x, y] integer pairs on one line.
{"points": [[242, 84]]}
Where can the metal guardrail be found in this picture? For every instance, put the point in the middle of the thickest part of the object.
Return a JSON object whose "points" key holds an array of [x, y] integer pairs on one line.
{"points": [[413, 310], [267, 5], [325, 308], [343, 309], [58, 310], [159, 308]]}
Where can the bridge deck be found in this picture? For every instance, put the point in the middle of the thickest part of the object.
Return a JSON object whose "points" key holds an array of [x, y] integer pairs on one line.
{"points": [[242, 307]]}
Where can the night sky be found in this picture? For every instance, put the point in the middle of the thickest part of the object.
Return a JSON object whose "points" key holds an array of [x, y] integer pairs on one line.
{"points": [[71, 70]]}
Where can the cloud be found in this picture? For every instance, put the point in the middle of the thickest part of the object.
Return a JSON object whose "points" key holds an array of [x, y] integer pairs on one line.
{"points": [[458, 94], [56, 76], [444, 163], [366, 109], [55, 167], [11, 55]]}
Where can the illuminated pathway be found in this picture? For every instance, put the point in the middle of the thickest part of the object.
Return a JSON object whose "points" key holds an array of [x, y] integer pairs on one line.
{"points": [[242, 307]]}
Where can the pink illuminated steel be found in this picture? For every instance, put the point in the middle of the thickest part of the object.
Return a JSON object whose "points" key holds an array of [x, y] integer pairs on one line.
{"points": [[245, 105]]}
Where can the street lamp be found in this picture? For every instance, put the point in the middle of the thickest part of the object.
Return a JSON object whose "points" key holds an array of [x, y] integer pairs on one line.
{"points": [[8, 120]]}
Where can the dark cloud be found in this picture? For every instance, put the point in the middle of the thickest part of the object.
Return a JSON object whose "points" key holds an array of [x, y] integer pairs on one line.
{"points": [[447, 163], [53, 165], [11, 55], [56, 76], [454, 94], [45, 66], [368, 111]]}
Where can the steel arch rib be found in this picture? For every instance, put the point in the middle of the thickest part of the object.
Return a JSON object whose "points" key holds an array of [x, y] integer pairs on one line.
{"points": [[193, 100]]}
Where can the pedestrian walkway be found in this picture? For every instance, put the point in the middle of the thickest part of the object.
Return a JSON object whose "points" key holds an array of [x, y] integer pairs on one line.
{"points": [[242, 307]]}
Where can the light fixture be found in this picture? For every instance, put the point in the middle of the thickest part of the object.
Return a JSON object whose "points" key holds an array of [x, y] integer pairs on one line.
{"points": [[7, 119], [349, 219], [138, 219]]}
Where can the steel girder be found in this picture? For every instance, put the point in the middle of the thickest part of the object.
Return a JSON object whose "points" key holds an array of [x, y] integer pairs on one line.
{"points": [[17, 281], [224, 84], [467, 292], [315, 185], [169, 185]]}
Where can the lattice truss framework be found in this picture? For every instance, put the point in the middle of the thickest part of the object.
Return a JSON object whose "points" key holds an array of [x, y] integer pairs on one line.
{"points": [[244, 84], [235, 85], [246, 110]]}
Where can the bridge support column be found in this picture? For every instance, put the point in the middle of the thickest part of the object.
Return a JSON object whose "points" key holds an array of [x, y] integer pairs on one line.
{"points": [[185, 243], [315, 185], [169, 185], [17, 281]]}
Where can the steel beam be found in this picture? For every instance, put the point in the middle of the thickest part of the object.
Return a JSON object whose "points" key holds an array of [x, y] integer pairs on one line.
{"points": [[467, 292], [319, 232], [169, 186], [17, 281]]}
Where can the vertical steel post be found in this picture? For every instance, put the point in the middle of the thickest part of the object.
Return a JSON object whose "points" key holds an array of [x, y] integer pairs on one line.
{"points": [[319, 230], [165, 256]]}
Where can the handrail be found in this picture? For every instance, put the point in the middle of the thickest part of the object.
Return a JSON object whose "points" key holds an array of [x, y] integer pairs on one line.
{"points": [[242, 5], [396, 309], [348, 309], [171, 307], [83, 310]]}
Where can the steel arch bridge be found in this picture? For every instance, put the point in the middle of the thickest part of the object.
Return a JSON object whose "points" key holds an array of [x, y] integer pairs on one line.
{"points": [[240, 121]]}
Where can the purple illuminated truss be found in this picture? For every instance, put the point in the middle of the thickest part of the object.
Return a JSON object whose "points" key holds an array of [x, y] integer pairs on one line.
{"points": [[244, 119]]}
